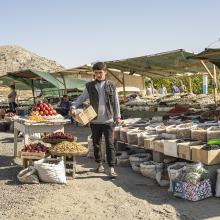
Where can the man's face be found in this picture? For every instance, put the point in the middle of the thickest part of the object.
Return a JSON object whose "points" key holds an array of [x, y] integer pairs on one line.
{"points": [[100, 74]]}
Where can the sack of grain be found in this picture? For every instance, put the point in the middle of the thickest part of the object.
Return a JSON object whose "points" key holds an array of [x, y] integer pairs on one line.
{"points": [[171, 129], [199, 133], [51, 170], [141, 136], [161, 129], [132, 137], [149, 169], [137, 159], [184, 131], [28, 175]]}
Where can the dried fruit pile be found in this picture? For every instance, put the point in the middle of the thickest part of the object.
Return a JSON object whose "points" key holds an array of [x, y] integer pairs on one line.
{"points": [[35, 148], [67, 147], [58, 136]]}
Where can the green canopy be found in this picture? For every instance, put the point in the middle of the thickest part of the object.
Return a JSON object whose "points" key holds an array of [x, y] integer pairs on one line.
{"points": [[211, 55], [27, 79], [168, 64]]}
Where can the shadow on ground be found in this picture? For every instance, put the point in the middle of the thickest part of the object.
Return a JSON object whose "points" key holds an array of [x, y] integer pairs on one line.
{"points": [[147, 189], [9, 170]]}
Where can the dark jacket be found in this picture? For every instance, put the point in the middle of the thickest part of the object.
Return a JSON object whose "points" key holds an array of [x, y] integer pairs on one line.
{"points": [[110, 96]]}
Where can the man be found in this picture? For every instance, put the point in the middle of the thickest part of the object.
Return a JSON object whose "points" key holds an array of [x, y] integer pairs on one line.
{"points": [[162, 90], [104, 99], [11, 99], [64, 106], [174, 89]]}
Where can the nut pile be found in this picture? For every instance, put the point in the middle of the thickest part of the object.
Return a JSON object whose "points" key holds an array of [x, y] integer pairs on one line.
{"points": [[66, 147]]}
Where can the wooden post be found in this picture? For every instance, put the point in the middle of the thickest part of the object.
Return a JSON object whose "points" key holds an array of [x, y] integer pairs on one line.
{"points": [[32, 87], [64, 83], [190, 85], [123, 80], [215, 82]]}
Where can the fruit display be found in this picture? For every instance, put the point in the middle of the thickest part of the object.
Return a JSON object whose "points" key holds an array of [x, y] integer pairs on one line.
{"points": [[35, 148], [43, 109], [10, 114], [67, 147], [57, 137], [36, 118]]}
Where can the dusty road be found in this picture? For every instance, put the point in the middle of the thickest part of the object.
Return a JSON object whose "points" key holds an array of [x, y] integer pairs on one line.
{"points": [[91, 195]]}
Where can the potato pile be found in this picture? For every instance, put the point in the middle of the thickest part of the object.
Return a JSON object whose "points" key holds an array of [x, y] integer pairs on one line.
{"points": [[66, 147]]}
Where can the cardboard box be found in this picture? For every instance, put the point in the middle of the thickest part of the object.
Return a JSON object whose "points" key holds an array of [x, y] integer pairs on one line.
{"points": [[86, 116], [210, 157], [185, 149], [148, 142], [158, 145]]}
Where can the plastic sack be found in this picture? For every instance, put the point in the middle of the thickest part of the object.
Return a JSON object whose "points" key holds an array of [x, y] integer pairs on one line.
{"points": [[149, 169], [162, 177], [174, 171], [217, 189], [132, 137], [141, 136], [28, 175], [123, 159], [51, 170], [137, 159]]}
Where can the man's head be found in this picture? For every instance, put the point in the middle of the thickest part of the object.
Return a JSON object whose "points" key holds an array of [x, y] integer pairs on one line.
{"points": [[12, 87], [65, 98], [99, 69]]}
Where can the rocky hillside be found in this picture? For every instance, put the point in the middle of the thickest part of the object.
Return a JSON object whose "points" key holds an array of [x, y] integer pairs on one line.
{"points": [[14, 58]]}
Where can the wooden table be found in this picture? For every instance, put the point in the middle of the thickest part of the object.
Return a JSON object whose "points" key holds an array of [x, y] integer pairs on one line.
{"points": [[29, 128]]}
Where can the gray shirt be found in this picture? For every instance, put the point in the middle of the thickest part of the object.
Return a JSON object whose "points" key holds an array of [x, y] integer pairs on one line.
{"points": [[102, 117]]}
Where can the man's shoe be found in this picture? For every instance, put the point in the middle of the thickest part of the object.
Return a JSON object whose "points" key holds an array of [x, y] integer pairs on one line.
{"points": [[112, 172], [100, 168]]}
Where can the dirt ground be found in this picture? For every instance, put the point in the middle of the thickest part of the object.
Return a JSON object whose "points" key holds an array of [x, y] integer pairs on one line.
{"points": [[91, 195]]}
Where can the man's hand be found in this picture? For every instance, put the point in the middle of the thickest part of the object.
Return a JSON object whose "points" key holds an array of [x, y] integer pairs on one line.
{"points": [[118, 121], [73, 111]]}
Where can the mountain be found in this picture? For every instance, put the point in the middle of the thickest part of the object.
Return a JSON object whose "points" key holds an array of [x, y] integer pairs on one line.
{"points": [[15, 58]]}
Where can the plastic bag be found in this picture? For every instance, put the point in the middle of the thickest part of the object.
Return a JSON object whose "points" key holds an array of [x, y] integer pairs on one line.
{"points": [[149, 169], [162, 176], [28, 175], [137, 159], [174, 171], [51, 170]]}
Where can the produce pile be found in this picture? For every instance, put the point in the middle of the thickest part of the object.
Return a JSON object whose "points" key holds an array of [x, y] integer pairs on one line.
{"points": [[59, 136], [43, 109], [36, 118], [67, 147], [35, 148]]}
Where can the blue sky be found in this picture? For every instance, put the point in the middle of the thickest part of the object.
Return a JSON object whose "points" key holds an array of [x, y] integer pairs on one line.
{"points": [[75, 32]]}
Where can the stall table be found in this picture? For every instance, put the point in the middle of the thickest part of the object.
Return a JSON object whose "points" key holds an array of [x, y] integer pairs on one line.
{"points": [[29, 128]]}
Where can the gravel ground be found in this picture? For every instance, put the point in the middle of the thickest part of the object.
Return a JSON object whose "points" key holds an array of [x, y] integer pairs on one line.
{"points": [[91, 195]]}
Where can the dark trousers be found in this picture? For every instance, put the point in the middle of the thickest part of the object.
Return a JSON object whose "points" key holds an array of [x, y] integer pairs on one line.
{"points": [[12, 107], [107, 130]]}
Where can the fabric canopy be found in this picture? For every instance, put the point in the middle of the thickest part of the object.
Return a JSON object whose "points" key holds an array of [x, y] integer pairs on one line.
{"points": [[27, 79], [211, 55], [168, 64]]}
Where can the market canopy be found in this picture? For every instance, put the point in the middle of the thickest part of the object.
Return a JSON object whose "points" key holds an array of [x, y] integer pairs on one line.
{"points": [[28, 79], [209, 54], [167, 64]]}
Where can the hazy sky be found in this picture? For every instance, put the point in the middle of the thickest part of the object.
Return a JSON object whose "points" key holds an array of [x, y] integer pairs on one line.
{"points": [[75, 32]]}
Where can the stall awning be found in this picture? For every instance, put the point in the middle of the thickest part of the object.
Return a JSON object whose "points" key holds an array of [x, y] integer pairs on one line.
{"points": [[211, 55], [167, 64]]}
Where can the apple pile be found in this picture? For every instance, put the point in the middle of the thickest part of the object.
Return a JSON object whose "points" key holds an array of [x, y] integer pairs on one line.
{"points": [[10, 114], [60, 135], [35, 148], [43, 109]]}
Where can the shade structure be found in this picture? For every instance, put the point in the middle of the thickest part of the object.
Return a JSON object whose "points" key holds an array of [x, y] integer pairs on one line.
{"points": [[168, 64]]}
